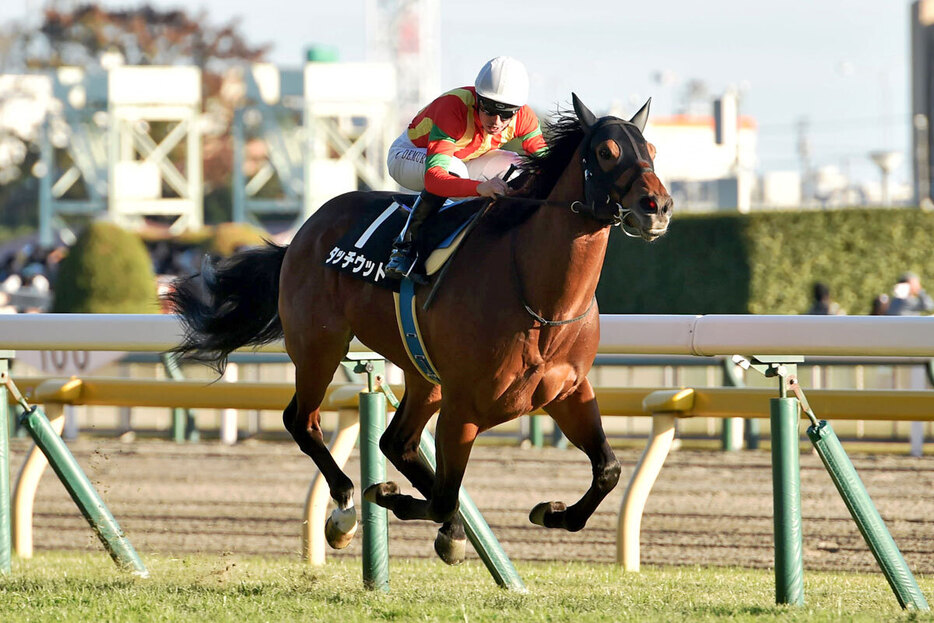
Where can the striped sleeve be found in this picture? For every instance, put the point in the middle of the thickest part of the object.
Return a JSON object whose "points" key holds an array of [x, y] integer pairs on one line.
{"points": [[439, 182], [529, 132], [443, 125], [441, 149]]}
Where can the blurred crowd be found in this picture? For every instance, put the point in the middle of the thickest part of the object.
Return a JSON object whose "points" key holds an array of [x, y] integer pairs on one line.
{"points": [[28, 271], [26, 277], [908, 298]]}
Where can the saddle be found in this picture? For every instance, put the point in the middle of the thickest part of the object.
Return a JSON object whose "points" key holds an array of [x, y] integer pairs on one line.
{"points": [[364, 250]]}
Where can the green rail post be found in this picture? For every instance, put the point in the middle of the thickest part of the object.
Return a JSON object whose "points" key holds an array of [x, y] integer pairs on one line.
{"points": [[375, 521], [786, 476], [478, 530], [6, 523], [786, 497], [183, 421], [728, 440], [82, 491], [867, 517], [535, 431]]}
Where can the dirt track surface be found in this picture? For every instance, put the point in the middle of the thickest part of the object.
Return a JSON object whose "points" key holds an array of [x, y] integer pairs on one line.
{"points": [[706, 508]]}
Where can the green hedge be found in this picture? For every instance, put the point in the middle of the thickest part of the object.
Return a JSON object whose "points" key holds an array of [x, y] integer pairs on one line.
{"points": [[107, 271], [766, 263]]}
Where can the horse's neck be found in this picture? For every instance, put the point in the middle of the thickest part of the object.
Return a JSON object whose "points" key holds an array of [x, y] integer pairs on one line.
{"points": [[559, 254]]}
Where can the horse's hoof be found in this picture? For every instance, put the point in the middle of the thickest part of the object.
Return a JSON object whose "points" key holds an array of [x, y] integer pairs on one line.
{"points": [[544, 514], [374, 493], [340, 527], [451, 551]]}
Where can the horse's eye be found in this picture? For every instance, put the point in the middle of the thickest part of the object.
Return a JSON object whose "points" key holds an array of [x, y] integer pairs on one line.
{"points": [[605, 154]]}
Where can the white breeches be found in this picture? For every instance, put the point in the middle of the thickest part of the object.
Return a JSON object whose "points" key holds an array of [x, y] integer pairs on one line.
{"points": [[406, 164]]}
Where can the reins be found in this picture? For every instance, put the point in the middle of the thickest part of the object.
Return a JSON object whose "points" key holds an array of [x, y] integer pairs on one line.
{"points": [[598, 183]]}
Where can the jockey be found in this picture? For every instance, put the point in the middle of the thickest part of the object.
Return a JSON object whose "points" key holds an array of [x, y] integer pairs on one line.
{"points": [[452, 148]]}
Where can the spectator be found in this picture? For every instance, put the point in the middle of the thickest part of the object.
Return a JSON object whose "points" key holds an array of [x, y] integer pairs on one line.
{"points": [[880, 305], [909, 298], [12, 283], [822, 304], [5, 307]]}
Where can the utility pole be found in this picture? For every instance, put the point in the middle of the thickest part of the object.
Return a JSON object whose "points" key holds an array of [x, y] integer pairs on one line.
{"points": [[923, 161], [804, 153]]}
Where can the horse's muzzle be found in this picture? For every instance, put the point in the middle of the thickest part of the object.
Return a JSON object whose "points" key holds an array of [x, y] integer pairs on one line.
{"points": [[652, 216]]}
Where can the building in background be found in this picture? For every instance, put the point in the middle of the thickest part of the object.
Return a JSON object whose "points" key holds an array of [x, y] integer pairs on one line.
{"points": [[313, 132], [922, 101], [407, 34], [701, 174]]}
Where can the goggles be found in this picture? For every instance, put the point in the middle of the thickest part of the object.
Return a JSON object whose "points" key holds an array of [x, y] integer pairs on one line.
{"points": [[493, 108]]}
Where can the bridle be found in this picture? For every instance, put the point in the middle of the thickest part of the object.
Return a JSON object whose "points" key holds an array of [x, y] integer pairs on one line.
{"points": [[598, 188], [599, 184]]}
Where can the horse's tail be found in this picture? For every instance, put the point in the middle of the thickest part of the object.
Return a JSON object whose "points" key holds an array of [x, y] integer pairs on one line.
{"points": [[232, 304]]}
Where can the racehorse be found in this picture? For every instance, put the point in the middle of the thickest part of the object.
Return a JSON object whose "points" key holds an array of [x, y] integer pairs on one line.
{"points": [[513, 328]]}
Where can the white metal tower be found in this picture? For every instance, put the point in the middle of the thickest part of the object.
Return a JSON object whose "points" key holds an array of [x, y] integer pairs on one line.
{"points": [[114, 162], [407, 33]]}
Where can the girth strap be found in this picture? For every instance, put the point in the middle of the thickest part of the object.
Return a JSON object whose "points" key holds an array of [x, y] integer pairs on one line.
{"points": [[411, 335]]}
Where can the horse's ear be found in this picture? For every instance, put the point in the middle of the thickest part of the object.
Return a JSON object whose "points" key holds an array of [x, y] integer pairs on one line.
{"points": [[642, 116], [584, 115]]}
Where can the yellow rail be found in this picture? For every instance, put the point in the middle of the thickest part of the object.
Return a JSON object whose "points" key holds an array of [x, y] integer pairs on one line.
{"points": [[828, 404], [121, 392], [665, 405], [729, 402], [719, 402]]}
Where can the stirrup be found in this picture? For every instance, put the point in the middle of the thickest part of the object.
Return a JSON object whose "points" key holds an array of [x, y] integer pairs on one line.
{"points": [[402, 266], [401, 262]]}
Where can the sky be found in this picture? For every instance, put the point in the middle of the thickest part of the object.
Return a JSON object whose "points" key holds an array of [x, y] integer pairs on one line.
{"points": [[840, 65]]}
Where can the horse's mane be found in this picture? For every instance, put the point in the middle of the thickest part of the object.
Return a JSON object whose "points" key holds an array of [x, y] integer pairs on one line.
{"points": [[539, 174]]}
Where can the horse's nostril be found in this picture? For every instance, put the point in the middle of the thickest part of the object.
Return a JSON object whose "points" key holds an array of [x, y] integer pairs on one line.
{"points": [[649, 205]]}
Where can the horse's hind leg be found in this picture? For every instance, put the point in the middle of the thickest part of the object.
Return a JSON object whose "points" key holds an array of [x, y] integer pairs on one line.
{"points": [[400, 445], [579, 419], [314, 369]]}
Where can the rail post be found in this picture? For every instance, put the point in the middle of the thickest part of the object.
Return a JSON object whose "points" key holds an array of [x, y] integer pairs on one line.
{"points": [[536, 437], [786, 478], [183, 421], [6, 524], [732, 377], [375, 521], [786, 497], [77, 484], [478, 531], [867, 517], [863, 511]]}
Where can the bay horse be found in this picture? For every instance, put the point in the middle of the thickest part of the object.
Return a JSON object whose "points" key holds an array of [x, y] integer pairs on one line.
{"points": [[514, 327]]}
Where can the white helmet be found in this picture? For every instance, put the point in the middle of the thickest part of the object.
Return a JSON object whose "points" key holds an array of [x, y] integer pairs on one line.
{"points": [[504, 79]]}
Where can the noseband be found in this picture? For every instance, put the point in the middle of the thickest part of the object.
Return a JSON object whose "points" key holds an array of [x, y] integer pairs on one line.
{"points": [[599, 184]]}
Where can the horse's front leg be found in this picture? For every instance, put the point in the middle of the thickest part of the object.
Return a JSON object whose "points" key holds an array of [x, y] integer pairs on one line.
{"points": [[400, 444], [454, 439], [579, 419]]}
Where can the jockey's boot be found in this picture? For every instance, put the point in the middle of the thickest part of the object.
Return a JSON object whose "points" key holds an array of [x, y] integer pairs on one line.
{"points": [[405, 250]]}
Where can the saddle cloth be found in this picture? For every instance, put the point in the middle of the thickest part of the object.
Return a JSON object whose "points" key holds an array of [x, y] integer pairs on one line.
{"points": [[364, 250]]}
